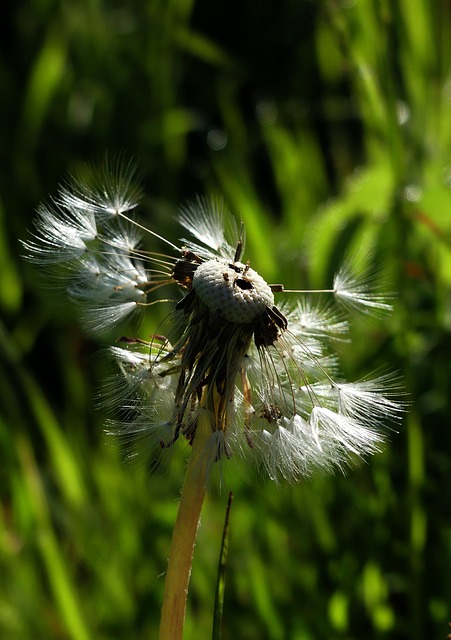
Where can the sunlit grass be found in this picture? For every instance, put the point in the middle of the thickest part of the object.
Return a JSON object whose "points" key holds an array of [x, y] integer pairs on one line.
{"points": [[365, 168]]}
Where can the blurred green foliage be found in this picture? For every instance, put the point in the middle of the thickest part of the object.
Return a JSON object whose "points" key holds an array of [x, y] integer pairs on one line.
{"points": [[327, 126]]}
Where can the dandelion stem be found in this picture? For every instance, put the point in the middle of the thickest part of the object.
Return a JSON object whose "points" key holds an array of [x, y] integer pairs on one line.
{"points": [[184, 536]]}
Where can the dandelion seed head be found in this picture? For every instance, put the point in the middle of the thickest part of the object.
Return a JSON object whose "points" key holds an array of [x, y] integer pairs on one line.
{"points": [[262, 367], [232, 289]]}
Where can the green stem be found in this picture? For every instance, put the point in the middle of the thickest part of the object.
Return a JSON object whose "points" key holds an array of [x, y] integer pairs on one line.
{"points": [[184, 536]]}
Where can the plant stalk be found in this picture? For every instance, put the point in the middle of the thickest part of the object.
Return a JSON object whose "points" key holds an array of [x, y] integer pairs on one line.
{"points": [[184, 536]]}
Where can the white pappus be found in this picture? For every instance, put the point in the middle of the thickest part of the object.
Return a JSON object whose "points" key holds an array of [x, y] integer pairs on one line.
{"points": [[257, 359]]}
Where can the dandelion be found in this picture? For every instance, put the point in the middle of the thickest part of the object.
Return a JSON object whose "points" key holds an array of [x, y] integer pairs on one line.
{"points": [[246, 368]]}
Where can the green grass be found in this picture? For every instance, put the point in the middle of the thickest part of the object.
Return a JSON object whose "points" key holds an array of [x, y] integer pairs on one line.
{"points": [[338, 125]]}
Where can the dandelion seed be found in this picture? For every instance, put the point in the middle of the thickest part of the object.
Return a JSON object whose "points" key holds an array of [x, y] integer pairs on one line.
{"points": [[258, 366], [105, 192], [62, 237], [360, 293]]}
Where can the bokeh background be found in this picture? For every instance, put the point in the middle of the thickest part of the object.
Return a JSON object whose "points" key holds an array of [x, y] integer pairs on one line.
{"points": [[327, 127]]}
